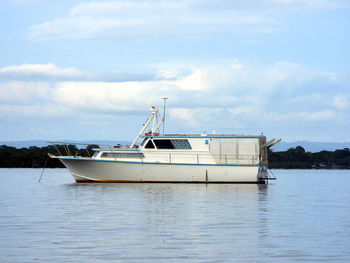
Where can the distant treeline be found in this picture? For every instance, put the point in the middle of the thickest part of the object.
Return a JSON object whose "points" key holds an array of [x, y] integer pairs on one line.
{"points": [[298, 158], [36, 157], [293, 158]]}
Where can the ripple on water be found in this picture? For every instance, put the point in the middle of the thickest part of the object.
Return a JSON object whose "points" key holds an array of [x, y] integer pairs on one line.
{"points": [[304, 216]]}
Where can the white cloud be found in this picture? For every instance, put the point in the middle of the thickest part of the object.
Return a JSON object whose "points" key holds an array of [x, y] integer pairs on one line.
{"points": [[219, 96], [26, 2], [324, 115], [239, 110], [340, 101], [273, 5], [34, 111], [185, 114], [150, 19], [16, 92], [125, 8], [40, 72], [195, 81], [104, 96], [165, 73], [309, 4], [241, 79], [199, 118], [51, 72]]}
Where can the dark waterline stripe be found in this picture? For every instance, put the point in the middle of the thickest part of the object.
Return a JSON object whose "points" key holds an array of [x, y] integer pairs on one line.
{"points": [[193, 182]]}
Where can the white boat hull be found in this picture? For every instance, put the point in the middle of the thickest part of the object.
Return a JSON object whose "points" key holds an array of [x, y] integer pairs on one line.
{"points": [[87, 169]]}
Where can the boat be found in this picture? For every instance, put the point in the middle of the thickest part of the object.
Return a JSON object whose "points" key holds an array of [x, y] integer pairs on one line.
{"points": [[174, 158]]}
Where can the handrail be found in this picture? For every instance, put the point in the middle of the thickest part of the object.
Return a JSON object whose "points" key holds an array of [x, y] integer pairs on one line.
{"points": [[66, 145], [79, 143], [181, 157], [198, 158]]}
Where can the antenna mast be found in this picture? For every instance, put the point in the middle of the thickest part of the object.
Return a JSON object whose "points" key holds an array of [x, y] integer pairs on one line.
{"points": [[164, 101]]}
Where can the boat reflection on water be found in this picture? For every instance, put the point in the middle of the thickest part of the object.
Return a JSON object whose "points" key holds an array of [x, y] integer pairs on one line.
{"points": [[181, 215]]}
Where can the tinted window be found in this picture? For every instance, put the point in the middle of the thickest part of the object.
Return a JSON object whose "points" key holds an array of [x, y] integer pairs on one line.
{"points": [[181, 144], [122, 155], [172, 144], [149, 145], [164, 144]]}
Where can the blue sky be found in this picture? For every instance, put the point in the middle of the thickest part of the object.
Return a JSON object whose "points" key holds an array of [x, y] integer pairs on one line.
{"points": [[86, 70]]}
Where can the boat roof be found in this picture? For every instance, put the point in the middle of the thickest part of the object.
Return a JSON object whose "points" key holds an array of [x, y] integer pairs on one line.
{"points": [[181, 135]]}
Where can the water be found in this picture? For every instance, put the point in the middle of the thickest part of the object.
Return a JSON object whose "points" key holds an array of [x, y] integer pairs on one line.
{"points": [[303, 217]]}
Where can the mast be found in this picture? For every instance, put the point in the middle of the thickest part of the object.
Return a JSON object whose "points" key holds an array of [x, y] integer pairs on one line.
{"points": [[164, 100], [154, 111]]}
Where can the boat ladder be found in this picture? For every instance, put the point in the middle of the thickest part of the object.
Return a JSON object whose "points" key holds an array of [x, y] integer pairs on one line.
{"points": [[267, 175]]}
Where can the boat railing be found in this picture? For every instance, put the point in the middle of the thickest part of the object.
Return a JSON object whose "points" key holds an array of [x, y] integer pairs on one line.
{"points": [[201, 158], [77, 150], [73, 149]]}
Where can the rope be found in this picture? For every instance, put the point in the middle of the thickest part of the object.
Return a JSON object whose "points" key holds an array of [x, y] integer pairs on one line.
{"points": [[42, 172]]}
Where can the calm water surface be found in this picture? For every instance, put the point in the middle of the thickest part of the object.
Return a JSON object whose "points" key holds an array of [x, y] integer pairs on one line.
{"points": [[304, 216]]}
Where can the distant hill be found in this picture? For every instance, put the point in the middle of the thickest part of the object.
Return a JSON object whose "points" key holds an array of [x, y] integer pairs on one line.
{"points": [[282, 146]]}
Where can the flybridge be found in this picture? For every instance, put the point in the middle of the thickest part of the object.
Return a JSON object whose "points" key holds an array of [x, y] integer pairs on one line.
{"points": [[155, 125]]}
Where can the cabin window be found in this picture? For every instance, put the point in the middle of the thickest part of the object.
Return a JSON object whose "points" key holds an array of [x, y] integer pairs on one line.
{"points": [[181, 144], [149, 145], [95, 154], [173, 144], [163, 144], [144, 141], [122, 155]]}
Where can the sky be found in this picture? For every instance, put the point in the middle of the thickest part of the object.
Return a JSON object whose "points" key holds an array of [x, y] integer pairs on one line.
{"points": [[90, 70]]}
